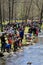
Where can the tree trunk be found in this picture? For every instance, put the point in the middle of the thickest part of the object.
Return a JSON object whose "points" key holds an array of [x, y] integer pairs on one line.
{"points": [[3, 13], [1, 17], [9, 10], [12, 8], [41, 15]]}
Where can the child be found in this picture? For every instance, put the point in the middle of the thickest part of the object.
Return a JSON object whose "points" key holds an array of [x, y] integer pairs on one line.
{"points": [[10, 41]]}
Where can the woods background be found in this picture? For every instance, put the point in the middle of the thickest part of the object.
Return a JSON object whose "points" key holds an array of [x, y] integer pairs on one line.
{"points": [[21, 9]]}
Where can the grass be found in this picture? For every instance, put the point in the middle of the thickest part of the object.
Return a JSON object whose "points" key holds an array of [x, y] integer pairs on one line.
{"points": [[6, 22]]}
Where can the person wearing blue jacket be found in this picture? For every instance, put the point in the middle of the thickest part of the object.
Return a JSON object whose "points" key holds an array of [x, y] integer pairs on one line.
{"points": [[21, 34]]}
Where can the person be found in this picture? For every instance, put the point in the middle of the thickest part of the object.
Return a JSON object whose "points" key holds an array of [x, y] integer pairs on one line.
{"points": [[17, 33], [15, 44], [30, 30], [21, 34], [3, 43], [8, 48], [10, 41], [37, 31]]}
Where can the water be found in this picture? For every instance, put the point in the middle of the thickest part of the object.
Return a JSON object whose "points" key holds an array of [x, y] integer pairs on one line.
{"points": [[33, 54]]}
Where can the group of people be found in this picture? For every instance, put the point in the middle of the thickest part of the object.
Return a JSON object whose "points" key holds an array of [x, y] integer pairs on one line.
{"points": [[14, 34], [34, 30], [14, 37]]}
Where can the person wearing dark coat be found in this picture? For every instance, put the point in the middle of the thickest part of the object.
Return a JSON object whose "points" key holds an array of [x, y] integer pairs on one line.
{"points": [[3, 43], [21, 34]]}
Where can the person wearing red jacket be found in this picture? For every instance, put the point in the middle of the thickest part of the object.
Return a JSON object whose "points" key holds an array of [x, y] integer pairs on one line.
{"points": [[10, 41]]}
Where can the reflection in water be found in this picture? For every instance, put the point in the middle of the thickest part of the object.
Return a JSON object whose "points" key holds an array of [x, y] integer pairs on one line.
{"points": [[33, 54]]}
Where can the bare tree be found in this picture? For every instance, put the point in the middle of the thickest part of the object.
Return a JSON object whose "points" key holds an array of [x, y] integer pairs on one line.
{"points": [[3, 12], [21, 9], [41, 15], [15, 10], [9, 10], [36, 3], [29, 7], [27, 10], [12, 8], [1, 17]]}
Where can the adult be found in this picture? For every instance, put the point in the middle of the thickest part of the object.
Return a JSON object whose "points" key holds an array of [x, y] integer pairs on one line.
{"points": [[21, 34], [3, 43]]}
